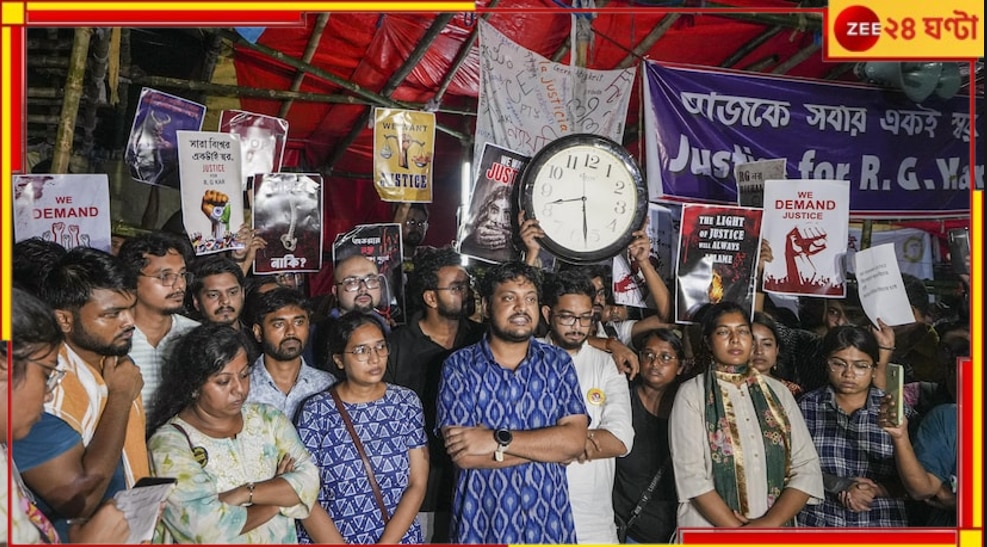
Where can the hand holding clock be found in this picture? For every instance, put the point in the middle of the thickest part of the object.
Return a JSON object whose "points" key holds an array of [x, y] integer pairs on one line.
{"points": [[531, 232]]}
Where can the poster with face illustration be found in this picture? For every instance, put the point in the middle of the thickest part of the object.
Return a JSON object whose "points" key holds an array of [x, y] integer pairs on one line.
{"points": [[152, 149], [71, 210], [287, 214], [262, 140]]}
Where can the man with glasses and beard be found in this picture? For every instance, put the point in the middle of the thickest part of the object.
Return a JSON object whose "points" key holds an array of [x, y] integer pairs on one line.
{"points": [[280, 377], [158, 261], [441, 286], [568, 309], [218, 295], [511, 416], [89, 443]]}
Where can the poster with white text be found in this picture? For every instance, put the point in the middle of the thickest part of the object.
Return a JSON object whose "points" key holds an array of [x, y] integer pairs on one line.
{"points": [[806, 224]]}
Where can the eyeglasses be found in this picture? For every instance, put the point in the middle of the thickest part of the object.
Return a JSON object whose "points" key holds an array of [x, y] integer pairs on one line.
{"points": [[362, 353], [419, 223], [54, 376], [649, 357], [455, 287], [568, 320], [859, 368], [352, 284], [168, 279]]}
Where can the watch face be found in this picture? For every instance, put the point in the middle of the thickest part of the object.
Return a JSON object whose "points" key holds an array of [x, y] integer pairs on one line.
{"points": [[503, 437], [588, 196]]}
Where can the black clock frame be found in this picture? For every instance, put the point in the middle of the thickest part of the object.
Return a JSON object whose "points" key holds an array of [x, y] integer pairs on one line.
{"points": [[559, 145]]}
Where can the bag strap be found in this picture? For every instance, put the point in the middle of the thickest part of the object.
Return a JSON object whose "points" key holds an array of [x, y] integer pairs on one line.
{"points": [[363, 455], [646, 495]]}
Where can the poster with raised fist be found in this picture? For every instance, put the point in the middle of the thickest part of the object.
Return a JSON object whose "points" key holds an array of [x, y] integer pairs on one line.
{"points": [[212, 201], [806, 224]]}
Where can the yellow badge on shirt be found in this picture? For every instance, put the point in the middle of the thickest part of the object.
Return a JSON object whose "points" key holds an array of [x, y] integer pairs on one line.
{"points": [[596, 396]]}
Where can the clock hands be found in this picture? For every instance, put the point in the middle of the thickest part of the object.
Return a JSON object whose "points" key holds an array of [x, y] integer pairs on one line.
{"points": [[566, 200], [585, 227]]}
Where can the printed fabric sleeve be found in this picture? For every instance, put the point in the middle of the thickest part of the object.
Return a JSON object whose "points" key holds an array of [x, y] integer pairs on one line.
{"points": [[193, 512], [687, 440], [415, 415], [456, 394], [304, 479], [806, 473]]}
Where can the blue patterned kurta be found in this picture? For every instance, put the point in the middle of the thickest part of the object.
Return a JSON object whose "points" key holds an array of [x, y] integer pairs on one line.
{"points": [[527, 503], [388, 428]]}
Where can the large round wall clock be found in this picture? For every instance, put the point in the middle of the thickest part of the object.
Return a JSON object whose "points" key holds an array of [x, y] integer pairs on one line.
{"points": [[588, 196]]}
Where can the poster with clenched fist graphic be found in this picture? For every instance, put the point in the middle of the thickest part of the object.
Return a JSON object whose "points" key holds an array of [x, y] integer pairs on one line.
{"points": [[806, 224], [212, 199], [71, 210]]}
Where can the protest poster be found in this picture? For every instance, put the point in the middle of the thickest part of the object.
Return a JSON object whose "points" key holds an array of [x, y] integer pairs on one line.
{"points": [[882, 292], [262, 140], [404, 143], [750, 177], [287, 214], [718, 249], [806, 223], [486, 233], [381, 243], [913, 247], [152, 149], [212, 199], [959, 250], [629, 288], [71, 210]]}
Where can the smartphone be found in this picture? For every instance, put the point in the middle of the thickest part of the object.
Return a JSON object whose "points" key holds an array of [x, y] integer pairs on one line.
{"points": [[153, 481], [895, 386], [610, 329]]}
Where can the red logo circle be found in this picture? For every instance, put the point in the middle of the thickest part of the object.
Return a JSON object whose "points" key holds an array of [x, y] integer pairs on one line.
{"points": [[857, 28]]}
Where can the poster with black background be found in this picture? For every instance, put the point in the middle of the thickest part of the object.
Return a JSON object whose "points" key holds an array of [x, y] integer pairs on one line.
{"points": [[718, 247], [381, 243]]}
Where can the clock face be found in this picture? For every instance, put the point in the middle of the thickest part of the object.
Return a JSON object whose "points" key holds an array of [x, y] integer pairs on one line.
{"points": [[588, 196]]}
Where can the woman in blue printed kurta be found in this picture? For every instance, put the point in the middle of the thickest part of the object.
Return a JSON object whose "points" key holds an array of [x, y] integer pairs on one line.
{"points": [[391, 425], [243, 475]]}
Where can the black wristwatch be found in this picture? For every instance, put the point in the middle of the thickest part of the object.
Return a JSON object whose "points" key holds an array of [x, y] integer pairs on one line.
{"points": [[503, 438]]}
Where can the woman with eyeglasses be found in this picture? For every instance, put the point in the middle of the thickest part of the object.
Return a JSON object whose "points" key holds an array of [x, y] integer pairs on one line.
{"points": [[368, 440], [662, 359], [32, 378], [242, 474], [741, 452], [857, 455]]}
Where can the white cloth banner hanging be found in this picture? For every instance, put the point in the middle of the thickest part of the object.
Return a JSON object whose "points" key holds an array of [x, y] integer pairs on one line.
{"points": [[912, 247], [526, 101]]}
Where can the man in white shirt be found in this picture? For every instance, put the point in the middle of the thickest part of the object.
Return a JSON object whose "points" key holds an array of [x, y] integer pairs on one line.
{"points": [[568, 309], [159, 261]]}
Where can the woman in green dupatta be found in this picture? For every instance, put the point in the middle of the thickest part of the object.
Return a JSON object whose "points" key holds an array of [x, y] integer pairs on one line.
{"points": [[756, 464]]}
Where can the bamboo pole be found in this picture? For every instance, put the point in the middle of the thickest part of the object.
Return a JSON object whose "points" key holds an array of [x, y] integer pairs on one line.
{"points": [[70, 106]]}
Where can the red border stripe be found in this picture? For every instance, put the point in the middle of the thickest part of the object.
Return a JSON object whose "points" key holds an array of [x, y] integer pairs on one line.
{"points": [[154, 18]]}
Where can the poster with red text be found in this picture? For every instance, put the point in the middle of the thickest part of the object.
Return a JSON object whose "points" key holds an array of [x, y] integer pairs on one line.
{"points": [[718, 248], [212, 201], [381, 243], [806, 224], [487, 232], [71, 210]]}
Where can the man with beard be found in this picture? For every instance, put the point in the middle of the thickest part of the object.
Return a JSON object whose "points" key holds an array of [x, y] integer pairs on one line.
{"points": [[158, 261], [280, 377], [440, 284], [568, 309], [414, 226], [217, 293], [89, 443], [511, 416]]}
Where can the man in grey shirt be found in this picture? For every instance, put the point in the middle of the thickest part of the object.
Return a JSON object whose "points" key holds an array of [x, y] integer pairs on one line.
{"points": [[280, 376]]}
